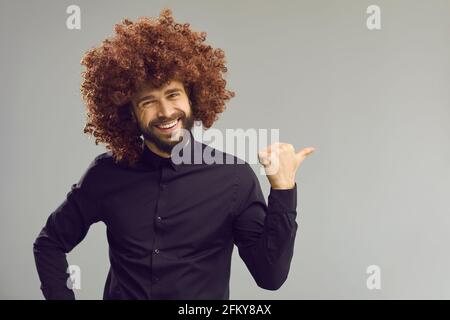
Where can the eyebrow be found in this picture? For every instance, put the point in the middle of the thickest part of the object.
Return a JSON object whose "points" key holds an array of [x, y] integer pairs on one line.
{"points": [[151, 96]]}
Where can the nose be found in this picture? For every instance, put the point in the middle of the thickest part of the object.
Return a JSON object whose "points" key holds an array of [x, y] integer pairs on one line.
{"points": [[165, 110]]}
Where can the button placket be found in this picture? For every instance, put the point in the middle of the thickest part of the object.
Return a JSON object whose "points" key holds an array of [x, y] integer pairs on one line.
{"points": [[159, 208], [158, 225]]}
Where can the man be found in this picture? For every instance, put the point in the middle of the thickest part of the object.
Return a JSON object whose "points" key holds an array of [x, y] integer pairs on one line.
{"points": [[171, 227]]}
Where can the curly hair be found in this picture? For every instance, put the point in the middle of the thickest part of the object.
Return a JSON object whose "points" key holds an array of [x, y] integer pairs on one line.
{"points": [[154, 50]]}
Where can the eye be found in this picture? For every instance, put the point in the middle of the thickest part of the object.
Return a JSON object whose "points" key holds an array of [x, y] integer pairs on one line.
{"points": [[147, 103], [172, 95]]}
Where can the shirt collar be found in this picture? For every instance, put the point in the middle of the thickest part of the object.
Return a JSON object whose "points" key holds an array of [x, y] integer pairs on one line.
{"points": [[155, 161]]}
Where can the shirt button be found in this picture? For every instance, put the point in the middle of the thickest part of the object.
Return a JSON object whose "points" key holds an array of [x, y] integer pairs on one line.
{"points": [[159, 219], [156, 251]]}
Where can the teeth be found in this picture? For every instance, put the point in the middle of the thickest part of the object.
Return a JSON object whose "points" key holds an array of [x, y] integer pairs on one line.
{"points": [[168, 125]]}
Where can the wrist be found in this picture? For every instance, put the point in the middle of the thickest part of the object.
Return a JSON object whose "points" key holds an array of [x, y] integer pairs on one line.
{"points": [[283, 185]]}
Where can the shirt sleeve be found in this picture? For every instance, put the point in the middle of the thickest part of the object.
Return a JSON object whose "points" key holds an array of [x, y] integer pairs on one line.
{"points": [[65, 228], [265, 234]]}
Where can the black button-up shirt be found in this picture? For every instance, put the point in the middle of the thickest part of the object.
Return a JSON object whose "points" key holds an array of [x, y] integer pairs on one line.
{"points": [[171, 228]]}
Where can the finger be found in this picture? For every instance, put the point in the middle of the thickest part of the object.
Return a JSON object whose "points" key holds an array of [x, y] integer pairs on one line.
{"points": [[263, 158], [301, 155]]}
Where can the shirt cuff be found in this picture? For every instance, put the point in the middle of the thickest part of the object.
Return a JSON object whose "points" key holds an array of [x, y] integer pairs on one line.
{"points": [[283, 200]]}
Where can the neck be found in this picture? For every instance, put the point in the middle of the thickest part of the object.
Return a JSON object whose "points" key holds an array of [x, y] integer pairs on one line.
{"points": [[156, 150]]}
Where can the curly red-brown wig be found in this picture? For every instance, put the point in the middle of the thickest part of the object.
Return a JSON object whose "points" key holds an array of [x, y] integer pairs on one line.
{"points": [[154, 50]]}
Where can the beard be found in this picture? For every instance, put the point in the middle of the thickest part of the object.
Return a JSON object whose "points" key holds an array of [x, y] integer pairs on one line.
{"points": [[164, 142]]}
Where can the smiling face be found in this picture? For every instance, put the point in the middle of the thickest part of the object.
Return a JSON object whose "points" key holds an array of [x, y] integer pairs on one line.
{"points": [[160, 113]]}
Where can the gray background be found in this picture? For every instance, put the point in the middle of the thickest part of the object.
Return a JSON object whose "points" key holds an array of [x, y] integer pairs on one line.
{"points": [[374, 104]]}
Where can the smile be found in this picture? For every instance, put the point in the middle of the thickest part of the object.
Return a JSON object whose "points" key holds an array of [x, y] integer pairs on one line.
{"points": [[168, 125]]}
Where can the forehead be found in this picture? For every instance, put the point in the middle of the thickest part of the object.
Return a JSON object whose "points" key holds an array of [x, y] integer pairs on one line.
{"points": [[147, 88]]}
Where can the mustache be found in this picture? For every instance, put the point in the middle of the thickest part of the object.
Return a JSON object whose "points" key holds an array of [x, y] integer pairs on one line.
{"points": [[159, 121]]}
